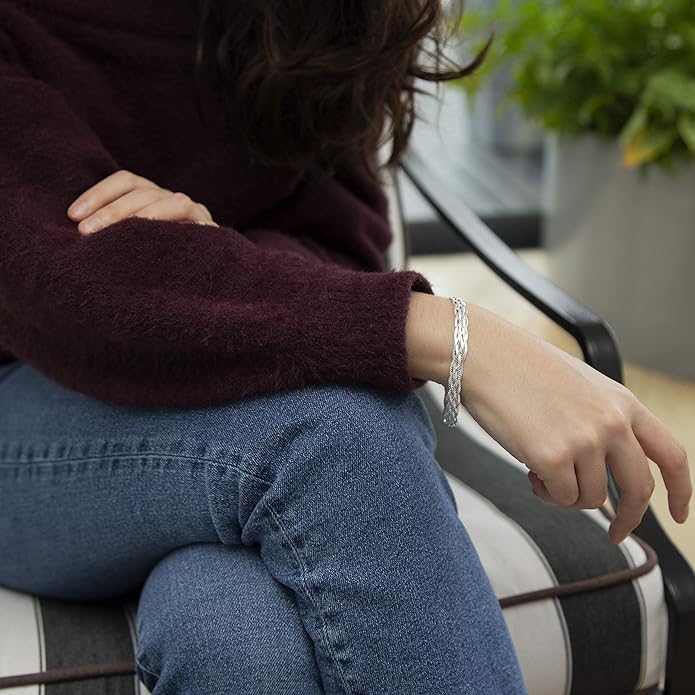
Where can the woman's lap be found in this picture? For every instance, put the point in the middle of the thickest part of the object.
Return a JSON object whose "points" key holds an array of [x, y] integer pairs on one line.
{"points": [[335, 486], [136, 483]]}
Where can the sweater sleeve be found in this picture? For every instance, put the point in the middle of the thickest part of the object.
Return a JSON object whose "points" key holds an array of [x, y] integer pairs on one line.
{"points": [[169, 314]]}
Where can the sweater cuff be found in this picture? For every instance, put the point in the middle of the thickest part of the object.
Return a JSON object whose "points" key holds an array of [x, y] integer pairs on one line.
{"points": [[372, 321]]}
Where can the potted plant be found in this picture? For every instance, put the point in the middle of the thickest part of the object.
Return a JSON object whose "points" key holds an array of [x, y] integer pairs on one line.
{"points": [[495, 122], [613, 83]]}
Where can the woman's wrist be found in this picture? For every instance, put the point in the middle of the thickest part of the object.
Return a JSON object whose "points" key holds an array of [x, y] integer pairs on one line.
{"points": [[430, 336]]}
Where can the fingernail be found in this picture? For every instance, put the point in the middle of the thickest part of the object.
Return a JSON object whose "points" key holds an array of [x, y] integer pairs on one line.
{"points": [[89, 227], [78, 210], [614, 536]]}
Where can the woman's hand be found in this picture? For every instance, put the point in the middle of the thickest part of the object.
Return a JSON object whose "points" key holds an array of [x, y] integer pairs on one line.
{"points": [[561, 418], [124, 194]]}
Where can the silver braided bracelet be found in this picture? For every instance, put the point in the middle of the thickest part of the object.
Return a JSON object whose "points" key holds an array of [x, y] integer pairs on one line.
{"points": [[452, 395]]}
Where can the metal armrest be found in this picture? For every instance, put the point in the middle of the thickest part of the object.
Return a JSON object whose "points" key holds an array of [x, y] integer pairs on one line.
{"points": [[593, 335], [600, 350]]}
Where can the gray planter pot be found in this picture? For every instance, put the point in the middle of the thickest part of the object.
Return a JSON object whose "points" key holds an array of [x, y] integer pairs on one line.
{"points": [[625, 246]]}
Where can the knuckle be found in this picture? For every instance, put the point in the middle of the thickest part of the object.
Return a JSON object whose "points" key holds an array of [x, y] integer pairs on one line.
{"points": [[614, 423], [567, 498], [126, 175], [644, 491], [554, 455], [586, 442], [681, 456], [542, 460], [596, 500], [182, 199], [624, 393]]}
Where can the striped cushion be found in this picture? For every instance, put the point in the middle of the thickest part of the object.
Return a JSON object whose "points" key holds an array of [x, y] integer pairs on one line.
{"points": [[587, 617], [591, 642], [76, 649], [605, 633]]}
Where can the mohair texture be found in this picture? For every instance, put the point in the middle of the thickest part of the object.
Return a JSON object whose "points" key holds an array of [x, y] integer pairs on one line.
{"points": [[290, 290]]}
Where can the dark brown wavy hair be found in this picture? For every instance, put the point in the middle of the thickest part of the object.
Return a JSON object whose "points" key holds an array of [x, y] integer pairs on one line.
{"points": [[305, 82]]}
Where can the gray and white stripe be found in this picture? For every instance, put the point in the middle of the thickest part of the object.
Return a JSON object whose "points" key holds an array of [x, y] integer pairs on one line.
{"points": [[608, 639]]}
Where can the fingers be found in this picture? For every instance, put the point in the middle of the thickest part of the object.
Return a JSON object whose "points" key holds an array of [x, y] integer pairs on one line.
{"points": [[670, 456], [592, 478], [631, 470], [125, 206], [177, 206], [105, 192], [592, 484], [562, 486], [628, 461], [124, 194], [539, 489]]}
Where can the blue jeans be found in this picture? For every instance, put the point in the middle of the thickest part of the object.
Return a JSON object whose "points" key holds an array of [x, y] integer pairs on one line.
{"points": [[303, 542]]}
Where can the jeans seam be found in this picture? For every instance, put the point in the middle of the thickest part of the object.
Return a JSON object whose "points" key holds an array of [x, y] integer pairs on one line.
{"points": [[302, 572], [139, 663], [8, 463]]}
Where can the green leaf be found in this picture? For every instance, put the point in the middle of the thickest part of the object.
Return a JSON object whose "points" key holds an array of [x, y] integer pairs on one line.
{"points": [[647, 146], [686, 128], [610, 67], [671, 88], [636, 124]]}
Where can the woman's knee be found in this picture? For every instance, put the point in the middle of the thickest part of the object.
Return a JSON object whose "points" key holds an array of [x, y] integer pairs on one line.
{"points": [[212, 613], [384, 417], [373, 434], [354, 457], [338, 421]]}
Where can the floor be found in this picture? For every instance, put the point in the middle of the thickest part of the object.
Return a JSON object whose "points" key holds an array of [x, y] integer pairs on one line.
{"points": [[669, 398]]}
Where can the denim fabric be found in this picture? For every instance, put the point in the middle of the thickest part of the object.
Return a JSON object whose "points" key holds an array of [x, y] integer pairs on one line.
{"points": [[303, 542]]}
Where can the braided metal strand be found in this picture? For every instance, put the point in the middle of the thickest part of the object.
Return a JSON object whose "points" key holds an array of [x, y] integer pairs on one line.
{"points": [[452, 396]]}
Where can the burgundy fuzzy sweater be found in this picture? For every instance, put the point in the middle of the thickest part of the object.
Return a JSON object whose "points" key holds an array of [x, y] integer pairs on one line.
{"points": [[289, 291]]}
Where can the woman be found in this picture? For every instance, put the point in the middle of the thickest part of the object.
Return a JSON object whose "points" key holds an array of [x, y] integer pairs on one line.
{"points": [[208, 379]]}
